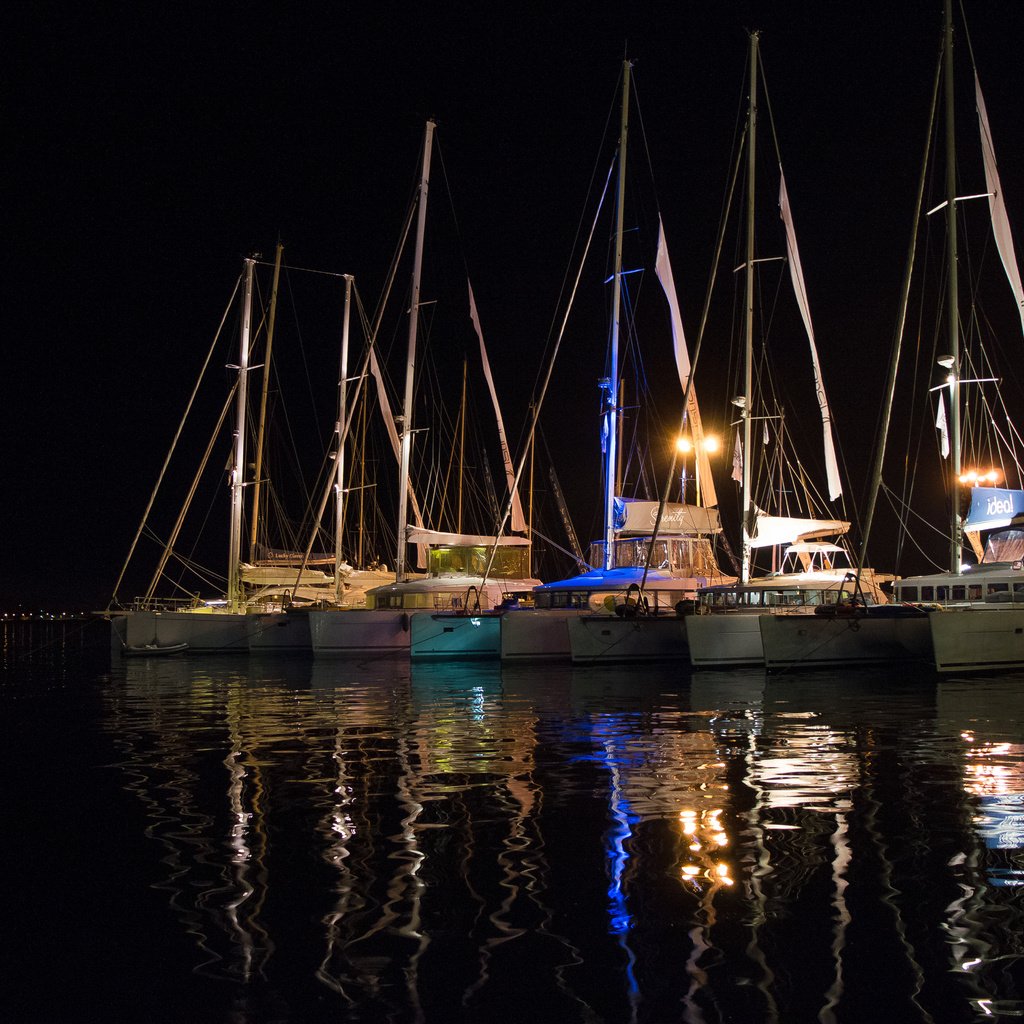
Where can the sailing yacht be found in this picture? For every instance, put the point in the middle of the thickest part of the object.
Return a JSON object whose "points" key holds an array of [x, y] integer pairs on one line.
{"points": [[675, 561], [977, 615], [221, 625], [653, 557], [260, 608], [455, 579], [816, 569], [285, 629], [970, 617]]}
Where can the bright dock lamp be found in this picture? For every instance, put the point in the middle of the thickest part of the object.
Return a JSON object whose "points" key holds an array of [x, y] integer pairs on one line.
{"points": [[980, 478], [710, 444]]}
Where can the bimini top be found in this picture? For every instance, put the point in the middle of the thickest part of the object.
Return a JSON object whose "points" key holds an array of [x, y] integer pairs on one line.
{"points": [[772, 530], [620, 579], [435, 539]]}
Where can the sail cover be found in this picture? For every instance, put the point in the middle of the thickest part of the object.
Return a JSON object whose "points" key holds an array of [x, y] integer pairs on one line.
{"points": [[436, 538], [835, 488], [663, 268], [997, 208], [518, 520], [389, 422], [772, 530]]}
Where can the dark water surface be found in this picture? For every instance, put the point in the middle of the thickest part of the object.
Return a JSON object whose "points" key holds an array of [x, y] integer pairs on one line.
{"points": [[265, 840]]}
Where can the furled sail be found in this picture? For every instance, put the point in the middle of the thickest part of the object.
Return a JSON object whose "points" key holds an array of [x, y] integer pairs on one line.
{"points": [[518, 519], [663, 268], [997, 208], [942, 425], [389, 423], [835, 488]]}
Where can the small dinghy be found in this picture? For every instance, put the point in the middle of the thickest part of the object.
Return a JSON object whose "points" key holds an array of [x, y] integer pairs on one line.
{"points": [[154, 650]]}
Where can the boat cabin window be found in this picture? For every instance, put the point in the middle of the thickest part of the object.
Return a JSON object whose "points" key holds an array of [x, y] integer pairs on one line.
{"points": [[664, 601], [928, 593], [998, 592], [693, 556], [959, 592], [458, 560], [942, 593], [774, 597], [1005, 546], [400, 600], [974, 592], [907, 593], [1018, 591], [702, 557], [631, 553], [561, 599], [442, 600]]}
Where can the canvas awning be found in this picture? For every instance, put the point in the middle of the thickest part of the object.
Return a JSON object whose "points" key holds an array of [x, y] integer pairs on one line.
{"points": [[772, 530], [435, 538]]}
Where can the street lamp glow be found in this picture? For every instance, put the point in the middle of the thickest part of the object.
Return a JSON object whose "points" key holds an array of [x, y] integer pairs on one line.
{"points": [[709, 444], [976, 478]]}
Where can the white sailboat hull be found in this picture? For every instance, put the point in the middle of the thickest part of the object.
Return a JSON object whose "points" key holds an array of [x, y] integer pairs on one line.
{"points": [[978, 639], [203, 632], [724, 640], [521, 634], [452, 636], [609, 639], [802, 641], [537, 634], [280, 633], [349, 631]]}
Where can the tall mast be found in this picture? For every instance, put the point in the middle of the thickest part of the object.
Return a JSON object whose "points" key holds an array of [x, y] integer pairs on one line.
{"points": [[360, 553], [462, 442], [529, 514], [612, 390], [748, 353], [952, 303], [258, 472], [238, 461], [339, 458], [410, 366]]}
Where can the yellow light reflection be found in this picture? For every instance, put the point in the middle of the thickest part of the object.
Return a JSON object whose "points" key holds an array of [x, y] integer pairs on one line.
{"points": [[706, 833], [994, 769]]}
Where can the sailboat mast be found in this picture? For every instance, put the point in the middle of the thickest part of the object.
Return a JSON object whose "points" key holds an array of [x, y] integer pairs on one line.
{"points": [[612, 391], [410, 366], [360, 555], [261, 428], [952, 300], [748, 352], [339, 458], [238, 462], [462, 442]]}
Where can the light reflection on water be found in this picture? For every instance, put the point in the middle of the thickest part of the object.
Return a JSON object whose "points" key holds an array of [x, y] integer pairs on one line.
{"points": [[374, 842]]}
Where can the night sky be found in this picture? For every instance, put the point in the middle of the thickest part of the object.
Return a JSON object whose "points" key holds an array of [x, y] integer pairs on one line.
{"points": [[151, 147]]}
